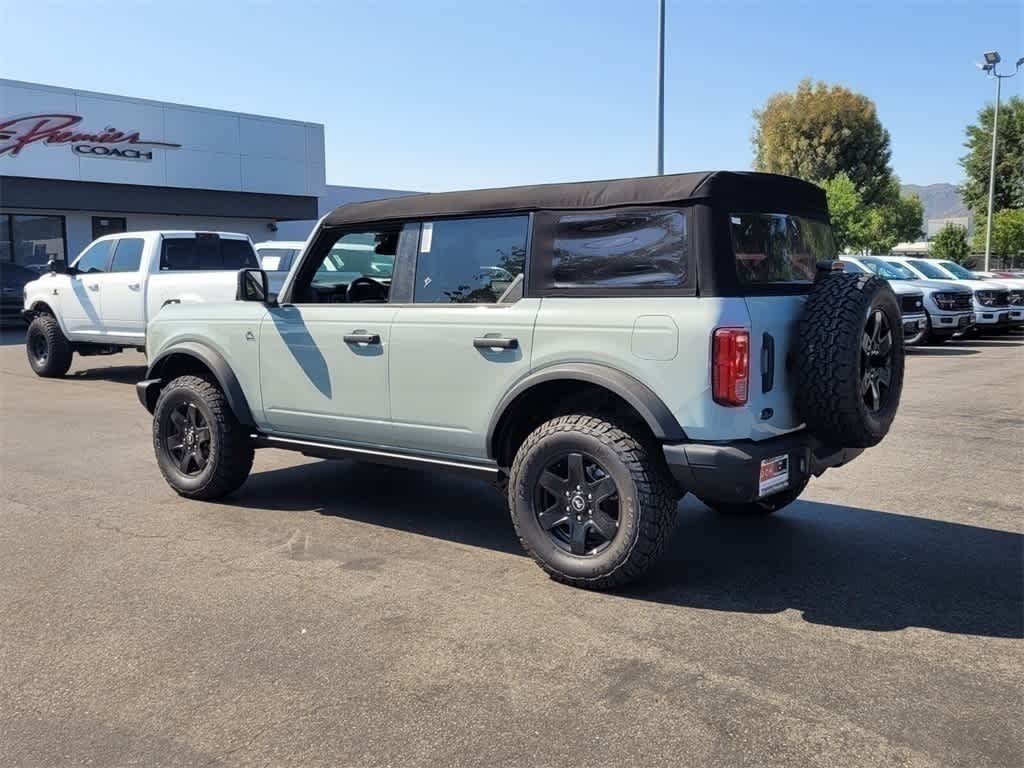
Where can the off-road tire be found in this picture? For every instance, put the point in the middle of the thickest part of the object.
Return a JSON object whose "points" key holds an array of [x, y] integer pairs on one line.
{"points": [[759, 508], [231, 450], [55, 349], [829, 397], [647, 501]]}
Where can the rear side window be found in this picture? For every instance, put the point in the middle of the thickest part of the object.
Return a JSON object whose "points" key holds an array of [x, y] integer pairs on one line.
{"points": [[625, 249], [95, 258], [469, 261], [206, 252], [779, 248], [127, 255]]}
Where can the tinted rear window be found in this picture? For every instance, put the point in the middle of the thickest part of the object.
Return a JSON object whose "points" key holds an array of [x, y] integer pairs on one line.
{"points": [[779, 248], [625, 249], [198, 253]]}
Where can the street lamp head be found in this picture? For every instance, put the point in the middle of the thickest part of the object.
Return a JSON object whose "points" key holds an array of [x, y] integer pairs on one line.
{"points": [[992, 57], [1020, 62], [985, 67]]}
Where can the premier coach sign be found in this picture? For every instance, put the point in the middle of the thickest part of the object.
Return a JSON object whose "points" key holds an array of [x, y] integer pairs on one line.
{"points": [[62, 129]]}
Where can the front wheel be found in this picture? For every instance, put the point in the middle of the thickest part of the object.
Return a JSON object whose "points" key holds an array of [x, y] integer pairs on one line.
{"points": [[49, 351], [591, 503], [202, 450]]}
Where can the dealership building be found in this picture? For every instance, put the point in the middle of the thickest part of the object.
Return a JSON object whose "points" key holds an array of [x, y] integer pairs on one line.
{"points": [[75, 165]]}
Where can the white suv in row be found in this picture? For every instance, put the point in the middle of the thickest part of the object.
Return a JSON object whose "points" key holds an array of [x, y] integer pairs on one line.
{"points": [[948, 307], [991, 300]]}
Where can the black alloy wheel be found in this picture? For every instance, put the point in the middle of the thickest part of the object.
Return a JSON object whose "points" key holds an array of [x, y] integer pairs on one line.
{"points": [[187, 438], [876, 359], [576, 503], [38, 348]]}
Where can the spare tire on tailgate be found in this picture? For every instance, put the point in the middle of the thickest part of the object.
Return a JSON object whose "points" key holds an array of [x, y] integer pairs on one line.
{"points": [[849, 360]]}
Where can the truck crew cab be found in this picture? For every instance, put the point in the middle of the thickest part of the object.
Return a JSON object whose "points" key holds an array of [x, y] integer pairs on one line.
{"points": [[102, 303], [598, 349]]}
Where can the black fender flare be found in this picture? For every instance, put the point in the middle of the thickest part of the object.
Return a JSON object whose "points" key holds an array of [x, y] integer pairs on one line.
{"points": [[651, 408], [218, 366]]}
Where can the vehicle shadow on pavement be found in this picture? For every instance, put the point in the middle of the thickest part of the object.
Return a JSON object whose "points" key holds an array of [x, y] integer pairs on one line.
{"points": [[439, 505], [121, 374], [840, 566], [846, 567]]}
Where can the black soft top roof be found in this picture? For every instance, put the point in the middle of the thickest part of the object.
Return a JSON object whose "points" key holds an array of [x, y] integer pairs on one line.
{"points": [[735, 191]]}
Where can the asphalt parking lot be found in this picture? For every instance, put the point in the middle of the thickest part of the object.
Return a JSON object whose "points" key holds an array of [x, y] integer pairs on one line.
{"points": [[350, 615]]}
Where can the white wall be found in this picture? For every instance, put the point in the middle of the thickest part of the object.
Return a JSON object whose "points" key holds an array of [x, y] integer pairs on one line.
{"points": [[219, 150], [79, 226], [332, 197]]}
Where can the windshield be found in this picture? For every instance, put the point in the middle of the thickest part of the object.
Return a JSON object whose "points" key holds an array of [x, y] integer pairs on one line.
{"points": [[888, 269], [957, 270], [779, 248], [928, 269]]}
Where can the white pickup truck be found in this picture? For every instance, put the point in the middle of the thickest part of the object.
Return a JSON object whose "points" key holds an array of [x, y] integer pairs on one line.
{"points": [[102, 302]]}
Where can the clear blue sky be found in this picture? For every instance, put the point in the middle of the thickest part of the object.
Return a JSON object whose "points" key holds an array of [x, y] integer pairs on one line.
{"points": [[440, 94]]}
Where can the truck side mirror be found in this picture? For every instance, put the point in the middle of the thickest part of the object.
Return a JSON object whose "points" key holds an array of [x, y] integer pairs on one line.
{"points": [[252, 285], [58, 266]]}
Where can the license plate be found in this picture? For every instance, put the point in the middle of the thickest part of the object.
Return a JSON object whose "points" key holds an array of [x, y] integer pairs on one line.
{"points": [[774, 475], [1004, 316]]}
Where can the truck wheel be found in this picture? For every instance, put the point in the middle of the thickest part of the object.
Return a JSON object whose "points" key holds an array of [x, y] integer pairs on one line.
{"points": [[759, 508], [49, 352], [202, 450], [590, 502], [849, 360]]}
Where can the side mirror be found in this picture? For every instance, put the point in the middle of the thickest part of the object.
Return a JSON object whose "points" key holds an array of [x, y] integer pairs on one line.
{"points": [[252, 285], [58, 266]]}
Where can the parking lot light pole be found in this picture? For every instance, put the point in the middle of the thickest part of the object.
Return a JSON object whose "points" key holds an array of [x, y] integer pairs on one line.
{"points": [[661, 87], [992, 58]]}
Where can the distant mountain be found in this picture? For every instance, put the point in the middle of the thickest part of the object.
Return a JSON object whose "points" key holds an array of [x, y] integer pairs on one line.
{"points": [[941, 201]]}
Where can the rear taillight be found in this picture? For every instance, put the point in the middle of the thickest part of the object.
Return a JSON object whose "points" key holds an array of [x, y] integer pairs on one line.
{"points": [[730, 366]]}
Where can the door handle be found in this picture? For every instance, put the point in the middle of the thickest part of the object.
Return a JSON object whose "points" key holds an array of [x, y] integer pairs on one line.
{"points": [[93, 286], [133, 286], [495, 342], [362, 338]]}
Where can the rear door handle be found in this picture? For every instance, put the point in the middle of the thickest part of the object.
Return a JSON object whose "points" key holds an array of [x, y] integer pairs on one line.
{"points": [[494, 342], [133, 286], [362, 338], [94, 286]]}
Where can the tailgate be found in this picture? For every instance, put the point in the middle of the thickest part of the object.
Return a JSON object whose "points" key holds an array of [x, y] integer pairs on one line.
{"points": [[773, 333]]}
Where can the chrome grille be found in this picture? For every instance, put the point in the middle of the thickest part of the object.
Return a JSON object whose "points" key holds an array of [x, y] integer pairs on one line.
{"points": [[993, 298], [1017, 297]]}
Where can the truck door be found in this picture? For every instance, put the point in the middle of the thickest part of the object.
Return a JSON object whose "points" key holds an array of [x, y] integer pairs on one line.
{"points": [[122, 289], [81, 306]]}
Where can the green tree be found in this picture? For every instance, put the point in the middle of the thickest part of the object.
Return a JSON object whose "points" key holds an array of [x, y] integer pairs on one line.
{"points": [[951, 243], [820, 131], [1009, 191], [1007, 234], [849, 215]]}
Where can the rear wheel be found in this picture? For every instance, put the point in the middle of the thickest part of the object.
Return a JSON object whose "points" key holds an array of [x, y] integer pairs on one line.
{"points": [[202, 450], [590, 502], [49, 351]]}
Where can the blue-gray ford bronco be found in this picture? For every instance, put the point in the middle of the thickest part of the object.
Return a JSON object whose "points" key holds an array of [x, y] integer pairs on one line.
{"points": [[597, 349]]}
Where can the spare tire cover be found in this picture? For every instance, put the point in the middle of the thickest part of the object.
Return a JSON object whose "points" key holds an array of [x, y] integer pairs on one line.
{"points": [[849, 360]]}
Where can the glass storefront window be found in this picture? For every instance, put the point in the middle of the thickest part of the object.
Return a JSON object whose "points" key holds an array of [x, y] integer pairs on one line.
{"points": [[37, 239]]}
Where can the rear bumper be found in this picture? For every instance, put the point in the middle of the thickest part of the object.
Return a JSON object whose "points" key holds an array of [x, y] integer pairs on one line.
{"points": [[731, 472]]}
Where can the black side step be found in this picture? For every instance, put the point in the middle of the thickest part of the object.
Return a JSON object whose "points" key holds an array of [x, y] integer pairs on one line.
{"points": [[487, 471]]}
